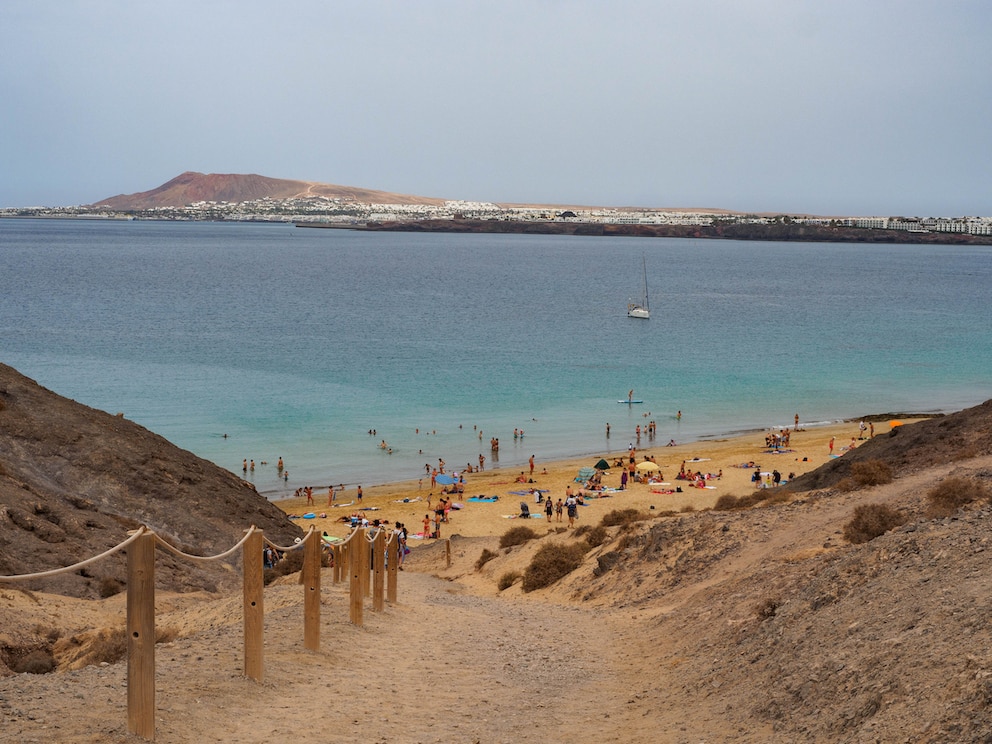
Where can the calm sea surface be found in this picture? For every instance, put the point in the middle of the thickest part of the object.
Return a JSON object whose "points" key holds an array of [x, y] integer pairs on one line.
{"points": [[296, 342]]}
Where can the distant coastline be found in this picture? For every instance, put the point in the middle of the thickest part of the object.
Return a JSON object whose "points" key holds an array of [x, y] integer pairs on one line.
{"points": [[734, 231]]}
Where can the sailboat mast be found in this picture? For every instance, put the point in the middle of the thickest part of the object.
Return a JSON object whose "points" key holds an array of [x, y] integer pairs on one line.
{"points": [[647, 305]]}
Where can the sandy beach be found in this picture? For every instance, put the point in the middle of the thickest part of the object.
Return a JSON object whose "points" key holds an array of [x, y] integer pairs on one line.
{"points": [[406, 502]]}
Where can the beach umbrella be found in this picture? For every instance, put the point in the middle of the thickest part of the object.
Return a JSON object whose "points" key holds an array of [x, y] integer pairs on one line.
{"points": [[586, 473], [648, 466], [602, 465], [445, 480]]}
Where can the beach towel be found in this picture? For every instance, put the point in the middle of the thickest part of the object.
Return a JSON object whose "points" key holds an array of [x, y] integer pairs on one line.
{"points": [[528, 493], [483, 499]]}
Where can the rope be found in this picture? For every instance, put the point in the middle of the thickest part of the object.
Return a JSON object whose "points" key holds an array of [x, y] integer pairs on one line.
{"points": [[294, 546], [201, 558], [76, 566]]}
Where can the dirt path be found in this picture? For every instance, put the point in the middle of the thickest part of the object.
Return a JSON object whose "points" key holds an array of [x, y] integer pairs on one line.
{"points": [[442, 666]]}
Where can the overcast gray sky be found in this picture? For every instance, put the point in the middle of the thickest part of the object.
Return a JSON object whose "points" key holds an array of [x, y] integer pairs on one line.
{"points": [[820, 106]]}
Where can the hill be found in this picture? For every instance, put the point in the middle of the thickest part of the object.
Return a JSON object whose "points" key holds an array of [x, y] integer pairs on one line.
{"points": [[74, 479], [190, 187]]}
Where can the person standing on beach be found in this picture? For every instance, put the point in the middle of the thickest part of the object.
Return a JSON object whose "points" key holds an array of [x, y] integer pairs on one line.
{"points": [[549, 507], [330, 495], [559, 508], [796, 427], [360, 494], [830, 444], [482, 462], [572, 506], [531, 465]]}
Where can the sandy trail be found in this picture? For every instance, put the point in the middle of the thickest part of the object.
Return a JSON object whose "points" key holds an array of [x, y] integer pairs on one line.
{"points": [[440, 666]]}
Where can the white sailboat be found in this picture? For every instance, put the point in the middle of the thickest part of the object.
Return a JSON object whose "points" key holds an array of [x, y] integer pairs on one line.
{"points": [[641, 309]]}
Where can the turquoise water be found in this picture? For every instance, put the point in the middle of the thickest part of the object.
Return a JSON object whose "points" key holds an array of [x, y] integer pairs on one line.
{"points": [[297, 342]]}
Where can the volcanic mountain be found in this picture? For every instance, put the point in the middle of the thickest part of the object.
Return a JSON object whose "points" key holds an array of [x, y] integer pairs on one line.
{"points": [[189, 188]]}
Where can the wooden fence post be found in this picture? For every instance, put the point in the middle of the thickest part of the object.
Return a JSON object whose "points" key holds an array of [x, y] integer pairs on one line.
{"points": [[392, 566], [141, 636], [251, 561], [336, 573], [447, 552], [357, 567], [366, 553], [378, 567], [311, 600]]}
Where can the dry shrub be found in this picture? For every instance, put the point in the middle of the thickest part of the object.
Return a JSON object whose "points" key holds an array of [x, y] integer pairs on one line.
{"points": [[847, 484], [486, 556], [597, 536], [109, 645], [39, 661], [726, 502], [870, 521], [621, 516], [871, 473], [109, 586], [777, 496], [766, 609], [581, 530], [952, 493], [687, 509], [507, 580], [551, 562], [516, 536]]}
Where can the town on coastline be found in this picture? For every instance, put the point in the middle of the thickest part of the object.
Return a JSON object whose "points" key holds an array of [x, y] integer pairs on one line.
{"points": [[340, 212]]}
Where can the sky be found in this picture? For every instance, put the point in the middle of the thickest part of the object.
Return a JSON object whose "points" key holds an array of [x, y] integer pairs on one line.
{"points": [[846, 107]]}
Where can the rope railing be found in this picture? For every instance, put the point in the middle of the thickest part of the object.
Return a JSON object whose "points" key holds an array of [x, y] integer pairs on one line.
{"points": [[205, 558], [76, 566], [353, 554], [294, 546]]}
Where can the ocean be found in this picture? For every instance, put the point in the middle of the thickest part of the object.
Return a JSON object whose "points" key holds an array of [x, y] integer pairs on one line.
{"points": [[259, 341]]}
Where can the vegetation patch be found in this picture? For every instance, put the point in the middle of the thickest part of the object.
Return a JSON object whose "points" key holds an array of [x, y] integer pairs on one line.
{"points": [[951, 494], [871, 473], [551, 562], [621, 516], [486, 556], [597, 536], [516, 536], [507, 580], [870, 521]]}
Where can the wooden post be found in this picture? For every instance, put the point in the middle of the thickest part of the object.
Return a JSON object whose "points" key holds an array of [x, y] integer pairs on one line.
{"points": [[311, 600], [356, 567], [336, 573], [392, 565], [447, 552], [379, 573], [141, 636], [366, 553], [251, 562]]}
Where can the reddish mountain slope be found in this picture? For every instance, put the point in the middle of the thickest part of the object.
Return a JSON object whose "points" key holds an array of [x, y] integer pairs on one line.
{"points": [[191, 187]]}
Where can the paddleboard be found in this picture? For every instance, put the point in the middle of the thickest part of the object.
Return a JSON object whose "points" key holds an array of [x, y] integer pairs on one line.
{"points": [[629, 402]]}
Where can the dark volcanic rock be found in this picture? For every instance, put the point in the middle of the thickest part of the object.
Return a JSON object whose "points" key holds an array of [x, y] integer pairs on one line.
{"points": [[74, 480]]}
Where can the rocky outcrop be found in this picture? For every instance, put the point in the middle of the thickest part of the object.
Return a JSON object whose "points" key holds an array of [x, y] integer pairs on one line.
{"points": [[74, 480]]}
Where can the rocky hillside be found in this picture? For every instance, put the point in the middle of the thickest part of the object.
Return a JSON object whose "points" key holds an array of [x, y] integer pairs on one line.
{"points": [[769, 622], [74, 480], [189, 188]]}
